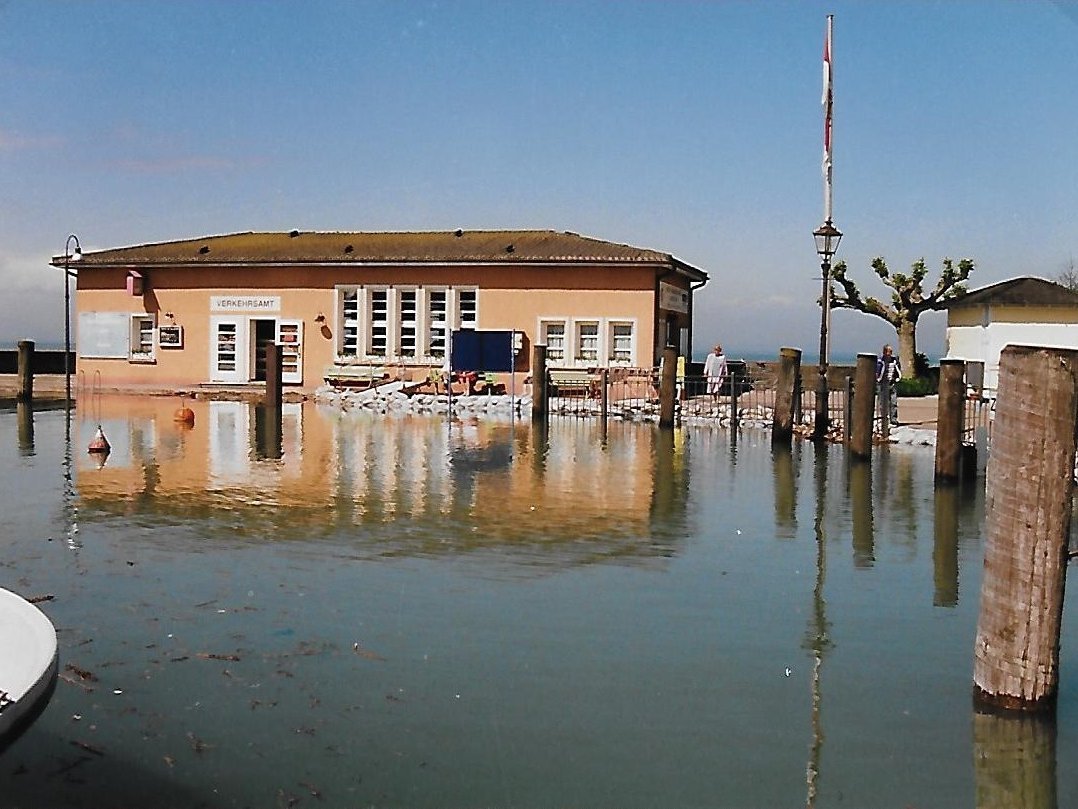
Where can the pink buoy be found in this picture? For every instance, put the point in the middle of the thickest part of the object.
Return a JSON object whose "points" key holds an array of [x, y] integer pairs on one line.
{"points": [[99, 442]]}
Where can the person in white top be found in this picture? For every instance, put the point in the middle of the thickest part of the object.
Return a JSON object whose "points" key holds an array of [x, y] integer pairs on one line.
{"points": [[715, 370]]}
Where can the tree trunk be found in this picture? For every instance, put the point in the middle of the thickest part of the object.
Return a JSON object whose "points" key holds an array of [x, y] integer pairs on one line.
{"points": [[907, 346]]}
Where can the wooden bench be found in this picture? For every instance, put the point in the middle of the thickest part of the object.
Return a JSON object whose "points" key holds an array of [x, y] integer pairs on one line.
{"points": [[573, 381], [355, 376]]}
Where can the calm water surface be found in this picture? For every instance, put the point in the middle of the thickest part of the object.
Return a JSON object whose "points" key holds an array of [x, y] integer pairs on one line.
{"points": [[396, 612]]}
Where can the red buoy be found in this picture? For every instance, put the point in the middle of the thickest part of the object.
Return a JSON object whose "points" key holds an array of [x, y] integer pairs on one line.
{"points": [[99, 443], [185, 416]]}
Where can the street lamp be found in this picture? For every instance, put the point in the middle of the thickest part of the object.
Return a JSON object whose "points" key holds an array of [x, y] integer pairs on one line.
{"points": [[827, 237], [68, 258]]}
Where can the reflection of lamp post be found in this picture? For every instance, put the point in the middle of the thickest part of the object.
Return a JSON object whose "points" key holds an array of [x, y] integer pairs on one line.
{"points": [[68, 258], [827, 238]]}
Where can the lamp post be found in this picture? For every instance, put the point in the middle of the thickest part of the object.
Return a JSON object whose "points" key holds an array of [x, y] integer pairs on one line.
{"points": [[68, 258], [827, 237]]}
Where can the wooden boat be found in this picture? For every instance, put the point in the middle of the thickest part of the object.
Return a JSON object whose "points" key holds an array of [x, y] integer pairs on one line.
{"points": [[28, 664]]}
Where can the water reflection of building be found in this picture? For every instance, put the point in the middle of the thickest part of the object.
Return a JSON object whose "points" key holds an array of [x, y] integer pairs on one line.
{"points": [[412, 484]]}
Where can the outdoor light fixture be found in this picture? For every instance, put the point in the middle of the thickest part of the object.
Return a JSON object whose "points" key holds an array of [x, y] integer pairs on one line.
{"points": [[320, 318], [827, 238], [69, 256]]}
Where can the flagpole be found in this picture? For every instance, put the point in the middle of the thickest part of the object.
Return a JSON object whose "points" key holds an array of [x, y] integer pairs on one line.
{"points": [[828, 190], [827, 237]]}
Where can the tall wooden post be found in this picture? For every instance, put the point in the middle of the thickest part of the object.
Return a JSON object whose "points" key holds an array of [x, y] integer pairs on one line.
{"points": [[26, 370], [539, 383], [1028, 506], [949, 416], [847, 410], [604, 399], [274, 381], [864, 403], [787, 390], [667, 388]]}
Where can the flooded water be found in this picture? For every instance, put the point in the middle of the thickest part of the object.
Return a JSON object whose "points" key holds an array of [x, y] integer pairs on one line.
{"points": [[396, 612]]}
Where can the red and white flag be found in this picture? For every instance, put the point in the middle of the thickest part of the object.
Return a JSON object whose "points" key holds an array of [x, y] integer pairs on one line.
{"points": [[827, 100]]}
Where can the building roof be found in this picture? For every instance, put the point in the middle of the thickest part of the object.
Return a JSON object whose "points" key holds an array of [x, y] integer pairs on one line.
{"points": [[343, 248], [1024, 291]]}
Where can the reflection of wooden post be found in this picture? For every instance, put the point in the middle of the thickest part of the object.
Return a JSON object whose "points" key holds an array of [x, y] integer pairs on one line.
{"points": [[786, 392], [24, 412], [864, 535], [667, 386], [945, 548], [864, 402], [26, 370], [785, 483], [950, 410], [539, 380], [1028, 506], [1014, 761]]}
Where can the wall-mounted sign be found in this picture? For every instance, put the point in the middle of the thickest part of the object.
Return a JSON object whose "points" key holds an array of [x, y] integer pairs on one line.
{"points": [[170, 336], [245, 303], [672, 298]]}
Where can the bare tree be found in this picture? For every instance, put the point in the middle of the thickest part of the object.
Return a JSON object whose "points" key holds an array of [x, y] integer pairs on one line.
{"points": [[1068, 277], [908, 299]]}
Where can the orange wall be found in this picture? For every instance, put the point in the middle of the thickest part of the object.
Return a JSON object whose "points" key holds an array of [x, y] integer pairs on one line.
{"points": [[509, 298]]}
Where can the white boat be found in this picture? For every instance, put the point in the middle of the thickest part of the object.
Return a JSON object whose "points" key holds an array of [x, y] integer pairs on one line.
{"points": [[28, 664]]}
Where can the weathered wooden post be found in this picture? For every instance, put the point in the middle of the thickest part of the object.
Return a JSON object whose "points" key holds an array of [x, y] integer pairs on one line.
{"points": [[26, 370], [667, 388], [787, 391], [847, 410], [949, 416], [864, 403], [539, 383], [604, 399], [274, 381], [1028, 506]]}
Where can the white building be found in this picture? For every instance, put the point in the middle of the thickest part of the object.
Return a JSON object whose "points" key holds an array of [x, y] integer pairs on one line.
{"points": [[1022, 311]]}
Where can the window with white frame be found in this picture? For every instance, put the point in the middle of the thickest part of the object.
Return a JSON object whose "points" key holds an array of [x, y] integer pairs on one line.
{"points": [[378, 317], [350, 322], [408, 323], [437, 322], [621, 343], [587, 340], [552, 332], [468, 309], [142, 331]]}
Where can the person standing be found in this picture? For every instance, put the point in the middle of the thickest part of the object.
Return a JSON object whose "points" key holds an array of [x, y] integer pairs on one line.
{"points": [[888, 372], [715, 370]]}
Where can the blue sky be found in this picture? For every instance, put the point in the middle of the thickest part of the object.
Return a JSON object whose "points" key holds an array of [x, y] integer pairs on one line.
{"points": [[688, 127]]}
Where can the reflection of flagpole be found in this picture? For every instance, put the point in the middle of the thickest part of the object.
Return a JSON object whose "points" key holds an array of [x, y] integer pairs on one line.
{"points": [[817, 637]]}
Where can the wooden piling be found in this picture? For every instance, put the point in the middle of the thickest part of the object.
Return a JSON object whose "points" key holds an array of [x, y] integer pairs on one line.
{"points": [[949, 417], [787, 391], [540, 391], [1028, 506], [864, 404], [604, 399], [274, 382], [26, 370], [668, 388]]}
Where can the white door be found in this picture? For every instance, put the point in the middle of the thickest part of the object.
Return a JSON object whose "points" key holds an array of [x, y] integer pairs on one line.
{"points": [[290, 339], [228, 350]]}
